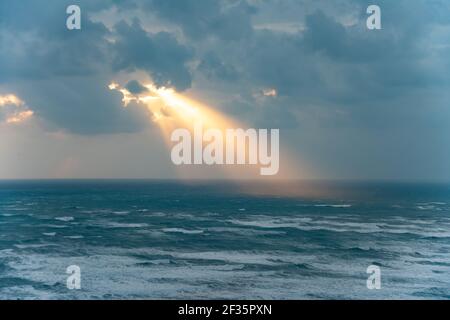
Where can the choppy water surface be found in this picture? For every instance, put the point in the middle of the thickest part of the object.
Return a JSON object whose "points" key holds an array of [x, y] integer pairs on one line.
{"points": [[155, 239]]}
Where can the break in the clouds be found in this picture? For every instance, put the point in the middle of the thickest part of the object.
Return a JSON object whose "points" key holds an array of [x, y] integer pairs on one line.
{"points": [[311, 67]]}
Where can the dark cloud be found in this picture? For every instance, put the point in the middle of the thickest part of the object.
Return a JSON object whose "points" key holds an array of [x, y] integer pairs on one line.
{"points": [[82, 105], [343, 67], [227, 20], [159, 54], [213, 67], [333, 77], [63, 74], [36, 44], [56, 70]]}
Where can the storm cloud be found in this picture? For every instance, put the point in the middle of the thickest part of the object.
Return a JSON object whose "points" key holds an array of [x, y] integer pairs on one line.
{"points": [[336, 85]]}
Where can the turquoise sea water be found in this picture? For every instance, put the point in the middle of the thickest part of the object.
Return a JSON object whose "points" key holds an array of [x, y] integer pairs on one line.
{"points": [[219, 240]]}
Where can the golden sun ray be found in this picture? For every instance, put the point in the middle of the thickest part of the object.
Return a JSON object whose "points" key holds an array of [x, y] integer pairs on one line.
{"points": [[10, 99], [171, 110], [19, 112]]}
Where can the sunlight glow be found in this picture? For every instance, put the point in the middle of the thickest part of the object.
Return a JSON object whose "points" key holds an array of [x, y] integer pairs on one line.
{"points": [[170, 110], [15, 109], [10, 99], [19, 117]]}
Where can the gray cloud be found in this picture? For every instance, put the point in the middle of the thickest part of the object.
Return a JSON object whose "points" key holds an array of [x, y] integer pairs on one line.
{"points": [[227, 20], [334, 78], [159, 54], [35, 43], [63, 74], [213, 67], [82, 105], [330, 65]]}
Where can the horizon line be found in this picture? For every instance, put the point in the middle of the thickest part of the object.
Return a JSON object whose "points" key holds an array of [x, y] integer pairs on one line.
{"points": [[261, 180]]}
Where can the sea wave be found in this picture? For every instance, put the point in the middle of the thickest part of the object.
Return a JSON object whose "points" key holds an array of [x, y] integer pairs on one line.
{"points": [[65, 219], [180, 230]]}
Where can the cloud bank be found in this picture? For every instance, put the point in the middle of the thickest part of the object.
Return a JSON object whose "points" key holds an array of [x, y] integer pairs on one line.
{"points": [[373, 96]]}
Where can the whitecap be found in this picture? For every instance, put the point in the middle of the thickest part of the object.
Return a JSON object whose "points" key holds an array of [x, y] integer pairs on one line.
{"points": [[245, 231], [426, 207], [156, 214], [65, 219], [180, 230], [32, 246], [53, 226], [431, 203], [121, 212], [127, 225]]}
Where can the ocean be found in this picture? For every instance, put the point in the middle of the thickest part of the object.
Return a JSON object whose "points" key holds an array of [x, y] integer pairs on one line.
{"points": [[223, 240]]}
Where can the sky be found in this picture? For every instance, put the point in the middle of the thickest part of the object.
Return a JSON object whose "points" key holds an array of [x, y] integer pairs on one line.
{"points": [[350, 103]]}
